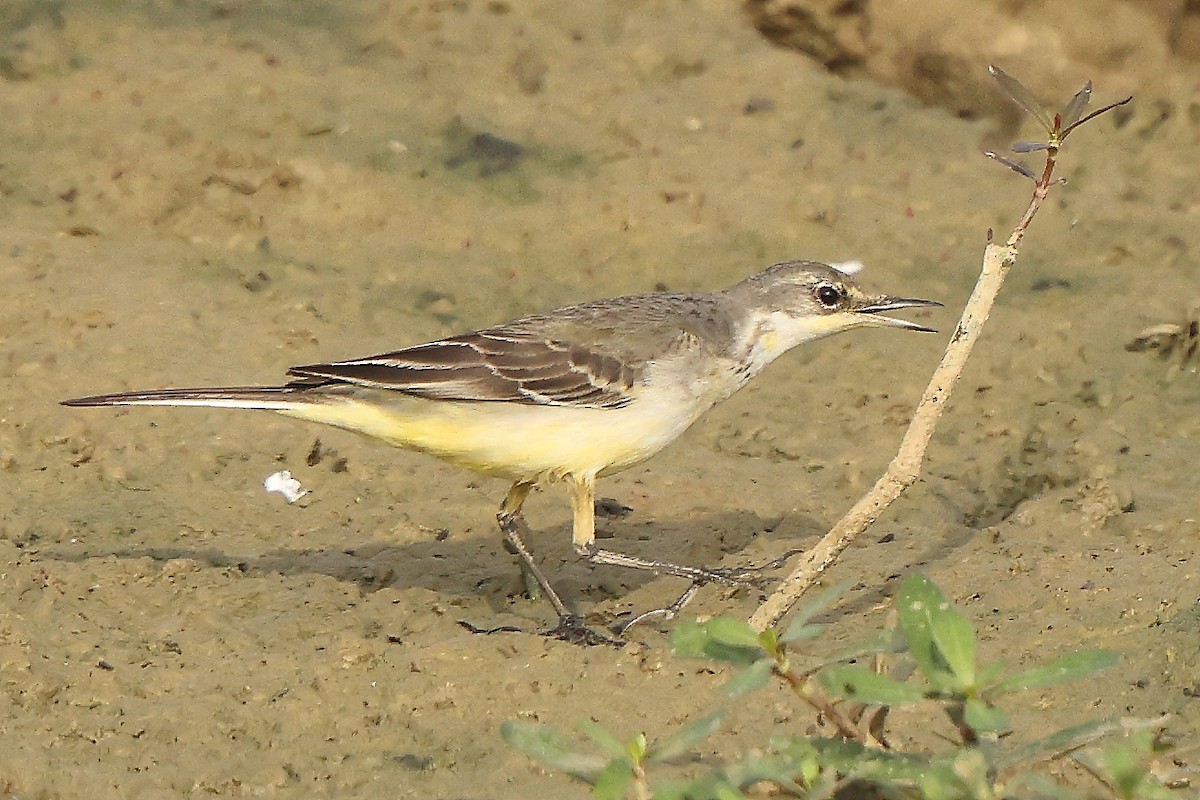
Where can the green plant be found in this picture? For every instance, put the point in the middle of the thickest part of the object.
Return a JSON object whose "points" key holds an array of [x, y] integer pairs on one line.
{"points": [[619, 766], [928, 659]]}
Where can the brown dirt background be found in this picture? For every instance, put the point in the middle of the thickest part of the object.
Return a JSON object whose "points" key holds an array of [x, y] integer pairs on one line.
{"points": [[207, 193]]}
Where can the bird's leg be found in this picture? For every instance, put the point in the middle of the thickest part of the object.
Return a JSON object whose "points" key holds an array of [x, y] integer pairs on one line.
{"points": [[570, 627], [698, 575], [583, 498], [583, 503], [509, 514], [511, 523]]}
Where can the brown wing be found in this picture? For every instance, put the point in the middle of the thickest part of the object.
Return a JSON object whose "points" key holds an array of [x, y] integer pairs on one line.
{"points": [[537, 360], [500, 364]]}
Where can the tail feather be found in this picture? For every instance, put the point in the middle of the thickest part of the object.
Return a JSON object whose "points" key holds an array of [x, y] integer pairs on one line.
{"points": [[274, 398]]}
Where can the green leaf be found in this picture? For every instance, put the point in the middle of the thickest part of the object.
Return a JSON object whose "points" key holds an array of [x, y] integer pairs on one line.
{"points": [[686, 737], [689, 640], [724, 639], [1069, 667], [800, 633], [984, 718], [636, 748], [954, 636], [732, 631], [818, 755], [725, 782], [800, 627], [852, 761], [768, 640], [989, 673], [857, 683], [612, 781], [1057, 743], [751, 679], [613, 746], [713, 786], [916, 605], [970, 766], [1038, 787], [756, 766], [551, 748], [1127, 766], [882, 642], [1124, 769]]}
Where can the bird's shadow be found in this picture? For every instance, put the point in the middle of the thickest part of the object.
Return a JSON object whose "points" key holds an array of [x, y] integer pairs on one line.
{"points": [[479, 567]]}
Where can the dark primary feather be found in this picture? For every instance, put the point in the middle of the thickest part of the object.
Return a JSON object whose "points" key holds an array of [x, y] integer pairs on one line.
{"points": [[484, 366]]}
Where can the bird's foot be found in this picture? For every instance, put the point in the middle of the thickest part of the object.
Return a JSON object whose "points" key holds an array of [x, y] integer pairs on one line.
{"points": [[570, 629], [732, 576], [489, 631], [752, 576]]}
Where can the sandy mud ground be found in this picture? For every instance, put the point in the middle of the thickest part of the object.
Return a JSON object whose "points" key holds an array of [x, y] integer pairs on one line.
{"points": [[206, 193]]}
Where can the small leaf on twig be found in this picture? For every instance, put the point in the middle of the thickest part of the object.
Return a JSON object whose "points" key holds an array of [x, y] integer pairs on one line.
{"points": [[1029, 147], [1069, 667], [721, 639], [856, 682], [1075, 106], [1015, 166], [801, 627], [1022, 97], [984, 718]]}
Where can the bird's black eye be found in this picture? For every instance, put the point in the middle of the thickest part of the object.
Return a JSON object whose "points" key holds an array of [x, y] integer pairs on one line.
{"points": [[829, 295]]}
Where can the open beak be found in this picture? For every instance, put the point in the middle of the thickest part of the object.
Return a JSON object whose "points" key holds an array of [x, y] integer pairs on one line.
{"points": [[874, 305]]}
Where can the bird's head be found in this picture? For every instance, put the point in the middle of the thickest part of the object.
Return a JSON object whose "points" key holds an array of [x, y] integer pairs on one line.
{"points": [[798, 301]]}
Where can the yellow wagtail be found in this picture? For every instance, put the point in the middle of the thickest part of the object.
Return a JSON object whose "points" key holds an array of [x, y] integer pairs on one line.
{"points": [[570, 395]]}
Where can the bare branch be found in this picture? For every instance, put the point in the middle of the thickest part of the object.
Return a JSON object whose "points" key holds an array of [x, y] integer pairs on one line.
{"points": [[1095, 114], [998, 259]]}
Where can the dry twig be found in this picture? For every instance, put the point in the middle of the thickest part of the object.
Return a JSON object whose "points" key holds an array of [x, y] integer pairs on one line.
{"points": [[997, 261]]}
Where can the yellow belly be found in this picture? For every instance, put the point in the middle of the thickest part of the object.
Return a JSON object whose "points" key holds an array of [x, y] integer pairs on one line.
{"points": [[518, 442]]}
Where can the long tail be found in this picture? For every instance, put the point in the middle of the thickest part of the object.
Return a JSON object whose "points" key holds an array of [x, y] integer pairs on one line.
{"points": [[272, 398], [313, 399]]}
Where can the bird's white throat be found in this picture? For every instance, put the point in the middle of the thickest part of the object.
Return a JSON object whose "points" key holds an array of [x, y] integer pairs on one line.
{"points": [[771, 334]]}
